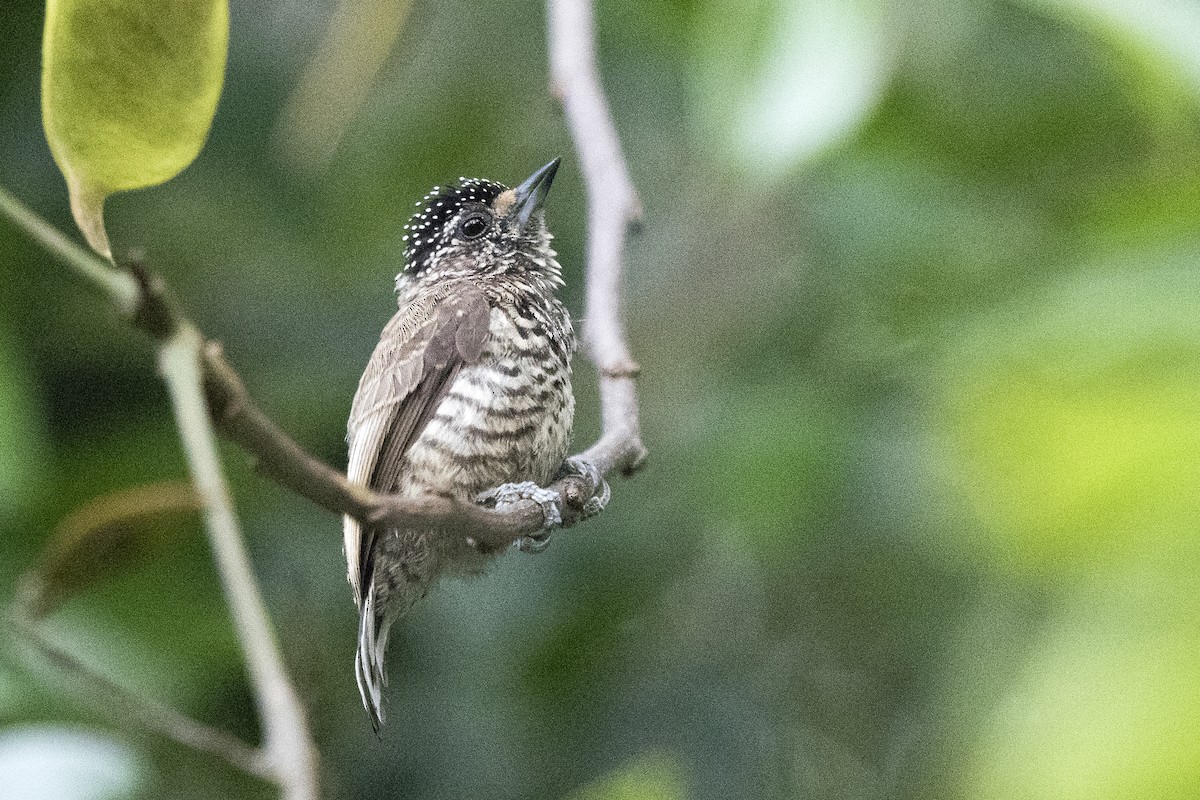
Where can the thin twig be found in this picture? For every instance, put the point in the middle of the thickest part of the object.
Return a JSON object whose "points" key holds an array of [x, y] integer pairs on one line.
{"points": [[290, 754], [613, 208], [120, 286], [129, 708]]}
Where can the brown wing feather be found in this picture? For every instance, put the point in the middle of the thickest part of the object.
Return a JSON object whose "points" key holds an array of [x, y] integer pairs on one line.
{"points": [[395, 366], [419, 355], [458, 332]]}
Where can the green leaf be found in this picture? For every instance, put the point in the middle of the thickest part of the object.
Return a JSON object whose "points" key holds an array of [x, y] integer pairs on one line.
{"points": [[1170, 29], [1155, 42], [100, 538], [129, 89]]}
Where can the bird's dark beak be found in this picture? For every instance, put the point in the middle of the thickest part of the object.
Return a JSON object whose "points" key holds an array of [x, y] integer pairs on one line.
{"points": [[532, 193]]}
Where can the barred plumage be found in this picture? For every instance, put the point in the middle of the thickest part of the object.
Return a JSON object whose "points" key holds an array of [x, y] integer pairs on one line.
{"points": [[469, 388]]}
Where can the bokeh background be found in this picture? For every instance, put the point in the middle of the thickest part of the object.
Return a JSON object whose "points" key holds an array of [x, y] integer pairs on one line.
{"points": [[916, 301]]}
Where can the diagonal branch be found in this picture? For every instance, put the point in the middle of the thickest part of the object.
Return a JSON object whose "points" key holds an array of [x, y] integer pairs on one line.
{"points": [[120, 286], [131, 708], [290, 754]]}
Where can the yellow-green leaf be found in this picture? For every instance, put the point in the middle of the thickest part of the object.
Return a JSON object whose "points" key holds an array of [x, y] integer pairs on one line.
{"points": [[129, 89]]}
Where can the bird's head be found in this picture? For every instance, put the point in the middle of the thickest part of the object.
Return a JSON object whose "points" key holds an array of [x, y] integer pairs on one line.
{"points": [[480, 228]]}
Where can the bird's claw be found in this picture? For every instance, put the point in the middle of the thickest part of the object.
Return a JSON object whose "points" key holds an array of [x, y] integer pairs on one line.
{"points": [[533, 544], [599, 490], [551, 502], [511, 493]]}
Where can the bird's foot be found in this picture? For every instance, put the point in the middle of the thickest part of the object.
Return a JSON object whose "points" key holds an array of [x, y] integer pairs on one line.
{"points": [[581, 505], [549, 500], [599, 492]]}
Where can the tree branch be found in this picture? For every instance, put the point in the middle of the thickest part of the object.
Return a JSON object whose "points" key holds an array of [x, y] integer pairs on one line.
{"points": [[290, 755], [613, 208], [189, 361], [287, 742], [120, 286]]}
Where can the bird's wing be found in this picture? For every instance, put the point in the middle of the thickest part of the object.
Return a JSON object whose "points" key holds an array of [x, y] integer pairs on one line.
{"points": [[419, 354]]}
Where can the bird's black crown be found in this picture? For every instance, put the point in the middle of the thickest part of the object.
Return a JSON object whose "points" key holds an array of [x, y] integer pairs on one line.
{"points": [[427, 229]]}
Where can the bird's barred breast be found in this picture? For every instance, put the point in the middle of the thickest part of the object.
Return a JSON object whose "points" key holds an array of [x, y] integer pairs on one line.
{"points": [[505, 419]]}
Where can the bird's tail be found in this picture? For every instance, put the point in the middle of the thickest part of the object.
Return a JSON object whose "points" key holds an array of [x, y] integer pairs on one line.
{"points": [[368, 659]]}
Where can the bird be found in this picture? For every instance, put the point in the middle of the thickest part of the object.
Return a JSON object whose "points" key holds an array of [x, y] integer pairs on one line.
{"points": [[468, 392]]}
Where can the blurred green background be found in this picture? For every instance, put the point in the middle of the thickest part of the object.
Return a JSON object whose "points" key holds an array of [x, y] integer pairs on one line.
{"points": [[916, 302]]}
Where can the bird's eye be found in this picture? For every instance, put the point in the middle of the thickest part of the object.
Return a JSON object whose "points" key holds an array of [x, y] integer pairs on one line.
{"points": [[474, 226]]}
